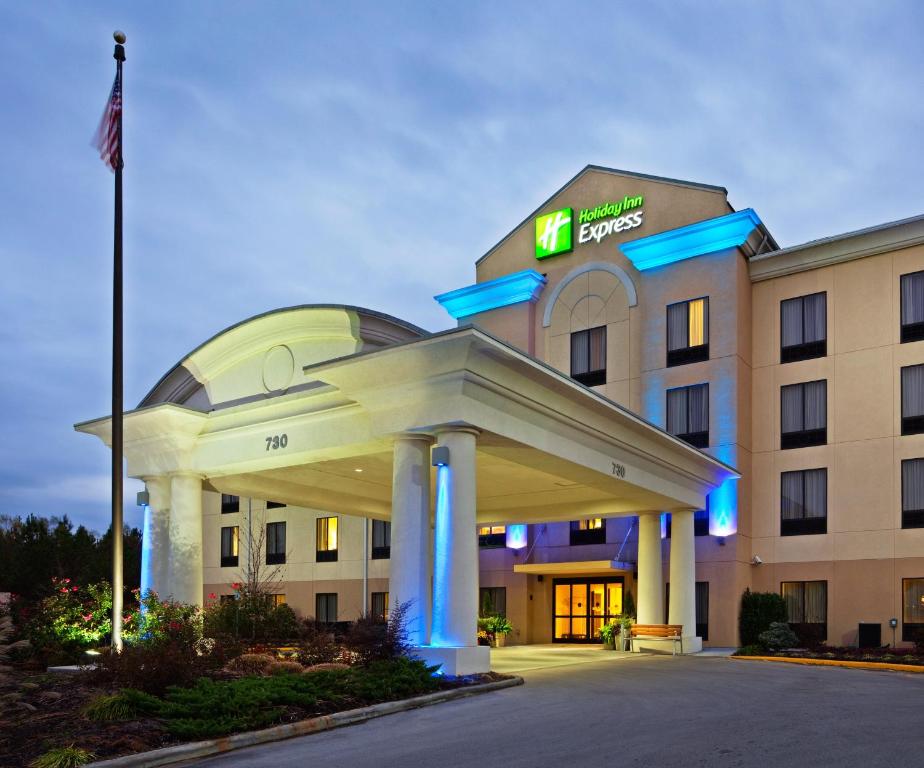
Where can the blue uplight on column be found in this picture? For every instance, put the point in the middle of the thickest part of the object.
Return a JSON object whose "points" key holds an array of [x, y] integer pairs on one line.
{"points": [[147, 561], [442, 553], [723, 501], [516, 536]]}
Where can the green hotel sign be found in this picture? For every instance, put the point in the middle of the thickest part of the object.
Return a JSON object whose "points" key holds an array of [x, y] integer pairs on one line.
{"points": [[554, 231]]}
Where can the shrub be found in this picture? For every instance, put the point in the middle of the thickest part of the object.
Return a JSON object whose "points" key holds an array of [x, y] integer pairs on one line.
{"points": [[749, 650], [285, 668], [324, 667], [106, 708], [62, 757], [71, 620], [778, 636], [160, 620], [370, 639], [758, 611], [253, 617], [251, 664], [318, 646]]}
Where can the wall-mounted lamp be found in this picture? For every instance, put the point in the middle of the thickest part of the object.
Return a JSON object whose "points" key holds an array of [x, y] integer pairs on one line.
{"points": [[143, 499], [439, 456], [721, 541], [756, 560]]}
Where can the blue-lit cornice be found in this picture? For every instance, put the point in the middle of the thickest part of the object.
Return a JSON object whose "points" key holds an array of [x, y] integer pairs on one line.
{"points": [[500, 292], [692, 240]]}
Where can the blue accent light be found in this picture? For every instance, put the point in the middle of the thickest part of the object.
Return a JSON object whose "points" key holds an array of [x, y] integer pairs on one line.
{"points": [[500, 292], [723, 501], [664, 525], [442, 552], [692, 240], [516, 536], [147, 563]]}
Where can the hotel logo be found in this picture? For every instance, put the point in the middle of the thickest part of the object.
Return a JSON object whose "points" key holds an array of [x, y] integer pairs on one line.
{"points": [[553, 233]]}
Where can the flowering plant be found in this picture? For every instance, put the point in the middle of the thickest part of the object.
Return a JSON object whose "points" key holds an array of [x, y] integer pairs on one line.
{"points": [[71, 619]]}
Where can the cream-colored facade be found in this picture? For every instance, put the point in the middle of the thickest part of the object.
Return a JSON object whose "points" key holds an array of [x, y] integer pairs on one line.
{"points": [[346, 375]]}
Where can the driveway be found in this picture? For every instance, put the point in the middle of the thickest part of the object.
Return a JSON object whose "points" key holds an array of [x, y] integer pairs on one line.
{"points": [[652, 711]]}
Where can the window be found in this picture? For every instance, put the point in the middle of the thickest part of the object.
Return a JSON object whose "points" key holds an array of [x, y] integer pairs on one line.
{"points": [[912, 610], [912, 290], [491, 536], [493, 601], [230, 503], [702, 609], [688, 332], [804, 414], [379, 605], [588, 531], [700, 522], [381, 540], [913, 400], [224, 599], [278, 599], [229, 545], [688, 414], [325, 605], [803, 502], [274, 505], [807, 609], [327, 540], [275, 543], [803, 328], [588, 356], [913, 493]]}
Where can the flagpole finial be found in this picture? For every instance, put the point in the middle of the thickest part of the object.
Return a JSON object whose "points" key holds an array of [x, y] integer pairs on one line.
{"points": [[119, 37]]}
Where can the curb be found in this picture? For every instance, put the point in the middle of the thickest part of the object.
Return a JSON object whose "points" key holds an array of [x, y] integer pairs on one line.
{"points": [[885, 667], [182, 752]]}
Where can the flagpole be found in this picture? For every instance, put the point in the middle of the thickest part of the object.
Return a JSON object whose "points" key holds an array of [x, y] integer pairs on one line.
{"points": [[117, 516]]}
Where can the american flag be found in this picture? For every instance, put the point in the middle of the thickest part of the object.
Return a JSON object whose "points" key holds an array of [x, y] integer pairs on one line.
{"points": [[107, 135]]}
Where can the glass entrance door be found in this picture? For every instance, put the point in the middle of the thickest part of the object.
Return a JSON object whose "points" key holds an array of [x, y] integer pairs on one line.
{"points": [[582, 606]]}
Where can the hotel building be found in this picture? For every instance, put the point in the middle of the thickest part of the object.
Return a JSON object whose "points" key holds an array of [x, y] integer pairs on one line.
{"points": [[646, 399]]}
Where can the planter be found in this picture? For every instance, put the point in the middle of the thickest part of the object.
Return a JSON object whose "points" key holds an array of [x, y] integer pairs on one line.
{"points": [[609, 645], [500, 640]]}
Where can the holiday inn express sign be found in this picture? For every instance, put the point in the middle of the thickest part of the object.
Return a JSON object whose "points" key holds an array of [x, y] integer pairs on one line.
{"points": [[555, 230]]}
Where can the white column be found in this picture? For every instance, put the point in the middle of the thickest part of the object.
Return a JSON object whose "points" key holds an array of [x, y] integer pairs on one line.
{"points": [[409, 579], [186, 538], [155, 547], [682, 607], [650, 589]]}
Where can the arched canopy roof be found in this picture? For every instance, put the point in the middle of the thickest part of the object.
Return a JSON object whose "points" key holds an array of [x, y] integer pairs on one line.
{"points": [[264, 355]]}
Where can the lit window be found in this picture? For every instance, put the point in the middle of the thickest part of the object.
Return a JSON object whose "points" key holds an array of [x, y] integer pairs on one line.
{"points": [[588, 531], [912, 610], [492, 536], [379, 605], [688, 332], [278, 599], [327, 540], [229, 546], [588, 356]]}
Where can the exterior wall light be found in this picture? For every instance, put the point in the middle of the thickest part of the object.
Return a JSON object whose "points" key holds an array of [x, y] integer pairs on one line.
{"points": [[439, 456], [143, 499]]}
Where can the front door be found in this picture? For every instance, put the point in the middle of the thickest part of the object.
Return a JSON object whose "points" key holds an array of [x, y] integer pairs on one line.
{"points": [[582, 606]]}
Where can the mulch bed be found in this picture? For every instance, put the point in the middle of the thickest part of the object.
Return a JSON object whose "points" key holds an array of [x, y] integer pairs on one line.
{"points": [[869, 655], [41, 711]]}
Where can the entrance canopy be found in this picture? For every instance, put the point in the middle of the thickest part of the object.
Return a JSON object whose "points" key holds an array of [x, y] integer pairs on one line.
{"points": [[548, 448]]}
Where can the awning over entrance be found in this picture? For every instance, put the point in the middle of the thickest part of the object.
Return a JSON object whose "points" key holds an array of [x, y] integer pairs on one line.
{"points": [[579, 568]]}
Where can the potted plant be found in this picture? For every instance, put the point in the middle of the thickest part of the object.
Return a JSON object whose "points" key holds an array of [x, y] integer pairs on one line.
{"points": [[608, 634], [500, 628]]}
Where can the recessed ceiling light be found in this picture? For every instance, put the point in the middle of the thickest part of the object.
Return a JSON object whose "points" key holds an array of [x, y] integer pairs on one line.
{"points": [[357, 469]]}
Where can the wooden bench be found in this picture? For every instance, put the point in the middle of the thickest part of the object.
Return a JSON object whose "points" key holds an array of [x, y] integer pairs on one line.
{"points": [[657, 632]]}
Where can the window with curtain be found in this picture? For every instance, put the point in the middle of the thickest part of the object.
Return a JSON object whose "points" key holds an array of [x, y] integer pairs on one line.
{"points": [[688, 414], [913, 399], [912, 290], [381, 540], [912, 610], [913, 493], [492, 536], [687, 332], [230, 503], [275, 543], [325, 607], [804, 414], [326, 549], [492, 601], [700, 522], [229, 546], [803, 502], [590, 530], [702, 607], [378, 605], [278, 599], [803, 328], [588, 356], [807, 609]]}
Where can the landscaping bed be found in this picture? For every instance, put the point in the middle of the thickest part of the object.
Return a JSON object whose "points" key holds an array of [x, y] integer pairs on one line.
{"points": [[56, 710], [883, 656]]}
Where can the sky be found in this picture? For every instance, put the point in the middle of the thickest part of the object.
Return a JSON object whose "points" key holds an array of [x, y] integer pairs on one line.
{"points": [[282, 153]]}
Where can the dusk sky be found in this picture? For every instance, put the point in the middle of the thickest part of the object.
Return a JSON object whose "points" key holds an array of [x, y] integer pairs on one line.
{"points": [[283, 153]]}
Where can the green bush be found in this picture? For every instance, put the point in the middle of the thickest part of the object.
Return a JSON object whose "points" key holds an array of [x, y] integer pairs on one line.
{"points": [[71, 620], [251, 617], [749, 650], [62, 757], [758, 611], [213, 708], [108, 708], [778, 636]]}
